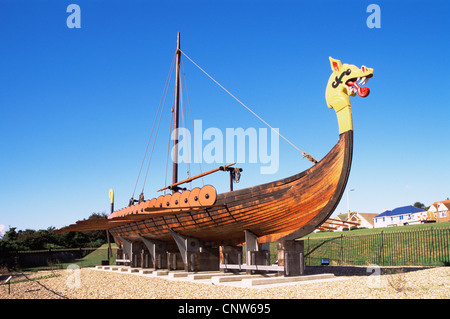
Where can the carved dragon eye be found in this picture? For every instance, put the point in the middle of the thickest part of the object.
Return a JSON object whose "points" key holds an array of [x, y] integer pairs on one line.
{"points": [[363, 68]]}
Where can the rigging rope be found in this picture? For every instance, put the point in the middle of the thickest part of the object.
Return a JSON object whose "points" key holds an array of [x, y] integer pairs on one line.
{"points": [[305, 155], [168, 144], [183, 121], [195, 141], [184, 86], [161, 103]]}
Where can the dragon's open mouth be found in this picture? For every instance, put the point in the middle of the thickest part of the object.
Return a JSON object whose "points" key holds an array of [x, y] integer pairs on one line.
{"points": [[356, 85]]}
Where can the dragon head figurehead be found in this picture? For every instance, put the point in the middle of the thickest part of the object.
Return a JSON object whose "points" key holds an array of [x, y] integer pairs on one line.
{"points": [[345, 81]]}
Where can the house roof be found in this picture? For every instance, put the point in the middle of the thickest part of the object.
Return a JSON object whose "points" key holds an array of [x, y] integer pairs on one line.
{"points": [[342, 216], [368, 217], [400, 211], [355, 216], [446, 203]]}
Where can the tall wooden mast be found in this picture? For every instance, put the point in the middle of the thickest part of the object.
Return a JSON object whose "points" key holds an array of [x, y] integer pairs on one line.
{"points": [[176, 111]]}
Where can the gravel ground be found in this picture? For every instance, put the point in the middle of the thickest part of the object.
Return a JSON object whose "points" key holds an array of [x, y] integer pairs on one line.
{"points": [[357, 282]]}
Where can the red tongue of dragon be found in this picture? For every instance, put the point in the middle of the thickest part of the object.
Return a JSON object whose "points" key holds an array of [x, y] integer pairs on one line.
{"points": [[363, 91]]}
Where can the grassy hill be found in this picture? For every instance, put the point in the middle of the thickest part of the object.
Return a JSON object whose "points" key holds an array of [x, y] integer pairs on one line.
{"points": [[90, 260], [373, 231], [95, 257]]}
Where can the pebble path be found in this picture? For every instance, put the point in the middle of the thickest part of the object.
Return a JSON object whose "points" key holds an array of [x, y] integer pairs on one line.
{"points": [[354, 282]]}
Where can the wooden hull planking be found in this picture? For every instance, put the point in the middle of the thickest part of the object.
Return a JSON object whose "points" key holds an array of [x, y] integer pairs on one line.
{"points": [[285, 209]]}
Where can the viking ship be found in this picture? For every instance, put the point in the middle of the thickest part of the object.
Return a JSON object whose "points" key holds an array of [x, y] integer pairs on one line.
{"points": [[285, 209]]}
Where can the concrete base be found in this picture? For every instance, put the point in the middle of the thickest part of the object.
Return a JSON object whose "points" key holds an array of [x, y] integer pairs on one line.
{"points": [[225, 279], [283, 280], [290, 256], [219, 278], [148, 271], [160, 260], [230, 255], [122, 258], [146, 259], [207, 275], [160, 273], [261, 257], [133, 270], [207, 259], [185, 274], [174, 261]]}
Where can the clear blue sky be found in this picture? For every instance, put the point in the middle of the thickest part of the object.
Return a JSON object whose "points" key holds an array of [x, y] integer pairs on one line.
{"points": [[77, 105]]}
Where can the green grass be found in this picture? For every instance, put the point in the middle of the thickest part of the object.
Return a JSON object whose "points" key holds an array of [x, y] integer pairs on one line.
{"points": [[426, 244], [90, 260], [95, 257], [371, 231], [32, 279]]}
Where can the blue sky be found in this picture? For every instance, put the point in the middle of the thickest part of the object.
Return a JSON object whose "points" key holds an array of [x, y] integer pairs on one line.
{"points": [[77, 105]]}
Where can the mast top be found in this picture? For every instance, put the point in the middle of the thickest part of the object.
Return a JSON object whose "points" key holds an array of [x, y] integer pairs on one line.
{"points": [[176, 112]]}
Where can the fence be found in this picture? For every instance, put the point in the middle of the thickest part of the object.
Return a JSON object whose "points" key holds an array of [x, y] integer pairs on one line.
{"points": [[36, 258], [429, 246], [418, 247]]}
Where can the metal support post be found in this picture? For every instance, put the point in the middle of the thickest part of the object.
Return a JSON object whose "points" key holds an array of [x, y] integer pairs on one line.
{"points": [[187, 246], [156, 251], [195, 256], [126, 246]]}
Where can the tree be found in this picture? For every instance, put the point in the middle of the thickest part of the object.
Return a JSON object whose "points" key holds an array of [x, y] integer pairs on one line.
{"points": [[420, 205], [96, 238], [10, 235], [30, 239]]}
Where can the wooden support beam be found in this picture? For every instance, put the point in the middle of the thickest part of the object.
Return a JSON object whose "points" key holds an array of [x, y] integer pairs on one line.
{"points": [[327, 227], [195, 177], [341, 221], [336, 224]]}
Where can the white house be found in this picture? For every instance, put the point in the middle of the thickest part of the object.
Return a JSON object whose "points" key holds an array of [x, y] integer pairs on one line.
{"points": [[441, 211], [399, 216], [365, 220]]}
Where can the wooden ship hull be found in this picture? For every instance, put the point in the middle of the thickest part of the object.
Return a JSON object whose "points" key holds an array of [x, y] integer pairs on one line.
{"points": [[288, 208], [285, 209]]}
